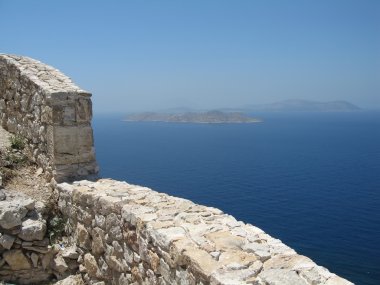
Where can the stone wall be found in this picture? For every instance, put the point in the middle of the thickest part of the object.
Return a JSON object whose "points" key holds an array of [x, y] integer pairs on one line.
{"points": [[44, 106], [130, 234], [27, 255]]}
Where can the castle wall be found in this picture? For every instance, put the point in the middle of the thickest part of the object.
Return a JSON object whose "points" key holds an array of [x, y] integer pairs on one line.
{"points": [[44, 106], [128, 234]]}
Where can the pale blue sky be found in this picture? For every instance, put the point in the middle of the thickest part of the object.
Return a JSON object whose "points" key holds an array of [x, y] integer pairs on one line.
{"points": [[144, 55]]}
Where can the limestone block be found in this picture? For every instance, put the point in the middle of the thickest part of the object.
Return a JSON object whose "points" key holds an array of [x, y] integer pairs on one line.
{"points": [[63, 115], [59, 264], [224, 240], [2, 105], [201, 262], [90, 265], [281, 277], [115, 264], [70, 253], [73, 144], [97, 241], [34, 257], [83, 236], [260, 250], [233, 277], [164, 237], [17, 260], [83, 110], [71, 280], [292, 262], [336, 280], [11, 213], [32, 230], [237, 259], [6, 241], [47, 114]]}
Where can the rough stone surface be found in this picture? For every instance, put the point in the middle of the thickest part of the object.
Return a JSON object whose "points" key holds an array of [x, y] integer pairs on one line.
{"points": [[71, 280], [12, 213], [6, 241], [51, 112], [32, 230], [17, 260], [129, 234], [26, 256]]}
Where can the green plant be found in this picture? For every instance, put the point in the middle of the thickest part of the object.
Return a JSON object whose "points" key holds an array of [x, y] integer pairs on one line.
{"points": [[17, 142], [56, 227]]}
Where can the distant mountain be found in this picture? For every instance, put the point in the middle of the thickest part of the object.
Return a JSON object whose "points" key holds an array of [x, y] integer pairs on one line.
{"points": [[210, 117], [298, 105]]}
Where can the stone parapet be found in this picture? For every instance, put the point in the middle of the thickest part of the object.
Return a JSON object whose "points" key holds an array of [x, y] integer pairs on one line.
{"points": [[130, 234], [44, 106]]}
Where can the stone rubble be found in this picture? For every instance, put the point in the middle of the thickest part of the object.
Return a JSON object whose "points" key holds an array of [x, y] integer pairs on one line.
{"points": [[128, 234], [26, 255]]}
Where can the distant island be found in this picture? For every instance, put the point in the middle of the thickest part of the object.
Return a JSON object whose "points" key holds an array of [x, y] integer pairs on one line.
{"points": [[210, 117], [299, 105]]}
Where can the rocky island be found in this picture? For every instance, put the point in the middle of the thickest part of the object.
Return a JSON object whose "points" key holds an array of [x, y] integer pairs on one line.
{"points": [[210, 117]]}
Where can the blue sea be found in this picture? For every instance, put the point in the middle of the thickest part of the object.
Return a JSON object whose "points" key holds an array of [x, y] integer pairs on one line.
{"points": [[309, 179]]}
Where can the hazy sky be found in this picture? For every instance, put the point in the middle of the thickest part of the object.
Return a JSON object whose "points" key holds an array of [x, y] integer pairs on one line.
{"points": [[144, 55]]}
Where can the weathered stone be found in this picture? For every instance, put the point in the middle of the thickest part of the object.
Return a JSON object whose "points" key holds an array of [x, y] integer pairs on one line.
{"points": [[34, 257], [32, 230], [6, 241], [97, 241], [281, 277], [225, 240], [47, 259], [83, 236], [260, 250], [59, 264], [40, 249], [232, 277], [292, 262], [17, 260], [163, 237], [90, 264], [70, 252], [71, 280], [11, 213], [336, 280], [2, 193], [115, 264], [239, 259], [153, 260], [201, 261]]}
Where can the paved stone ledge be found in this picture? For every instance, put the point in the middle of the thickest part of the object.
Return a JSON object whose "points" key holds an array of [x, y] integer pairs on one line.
{"points": [[130, 234], [50, 79]]}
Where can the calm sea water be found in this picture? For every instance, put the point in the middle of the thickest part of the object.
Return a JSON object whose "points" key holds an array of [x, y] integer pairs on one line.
{"points": [[311, 180]]}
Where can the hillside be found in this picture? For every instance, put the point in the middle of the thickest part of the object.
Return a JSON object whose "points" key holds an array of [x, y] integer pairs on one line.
{"points": [[298, 105]]}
